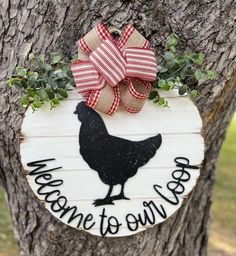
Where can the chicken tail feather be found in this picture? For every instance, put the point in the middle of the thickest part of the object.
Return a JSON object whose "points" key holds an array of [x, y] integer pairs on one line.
{"points": [[156, 141]]}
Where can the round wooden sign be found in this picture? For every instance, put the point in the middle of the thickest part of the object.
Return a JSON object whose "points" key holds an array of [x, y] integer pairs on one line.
{"points": [[113, 176]]}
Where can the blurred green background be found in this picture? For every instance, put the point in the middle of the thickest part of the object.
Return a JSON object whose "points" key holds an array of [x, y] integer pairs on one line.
{"points": [[223, 226]]}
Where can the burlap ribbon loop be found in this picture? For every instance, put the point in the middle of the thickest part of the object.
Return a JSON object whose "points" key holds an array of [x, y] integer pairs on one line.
{"points": [[108, 73]]}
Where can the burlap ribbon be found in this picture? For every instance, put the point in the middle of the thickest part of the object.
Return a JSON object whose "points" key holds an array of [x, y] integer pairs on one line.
{"points": [[110, 72]]}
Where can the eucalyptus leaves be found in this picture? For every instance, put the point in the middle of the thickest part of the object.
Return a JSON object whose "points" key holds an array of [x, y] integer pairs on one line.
{"points": [[43, 81], [49, 81], [178, 70]]}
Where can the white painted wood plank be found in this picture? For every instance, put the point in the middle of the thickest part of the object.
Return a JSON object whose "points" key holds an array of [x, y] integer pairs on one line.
{"points": [[151, 120], [66, 150]]}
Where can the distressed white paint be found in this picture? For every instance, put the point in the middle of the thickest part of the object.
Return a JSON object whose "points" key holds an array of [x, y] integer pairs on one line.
{"points": [[54, 134]]}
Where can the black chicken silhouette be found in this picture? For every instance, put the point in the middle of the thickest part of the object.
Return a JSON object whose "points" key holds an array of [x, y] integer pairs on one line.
{"points": [[115, 159]]}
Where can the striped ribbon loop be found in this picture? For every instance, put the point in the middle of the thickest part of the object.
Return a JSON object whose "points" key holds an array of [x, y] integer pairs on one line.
{"points": [[110, 73], [86, 76], [141, 63], [109, 62]]}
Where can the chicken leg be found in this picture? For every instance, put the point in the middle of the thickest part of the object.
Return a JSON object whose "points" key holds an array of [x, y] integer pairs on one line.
{"points": [[121, 195], [107, 200]]}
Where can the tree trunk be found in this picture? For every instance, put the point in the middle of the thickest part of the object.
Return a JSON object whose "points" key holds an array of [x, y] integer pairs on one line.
{"points": [[45, 26]]}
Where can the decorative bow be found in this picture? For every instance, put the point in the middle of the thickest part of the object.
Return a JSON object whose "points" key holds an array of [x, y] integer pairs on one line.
{"points": [[109, 72]]}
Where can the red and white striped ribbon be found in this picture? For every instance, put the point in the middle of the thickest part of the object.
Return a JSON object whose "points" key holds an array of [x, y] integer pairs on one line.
{"points": [[85, 75], [115, 64], [109, 62], [141, 63]]}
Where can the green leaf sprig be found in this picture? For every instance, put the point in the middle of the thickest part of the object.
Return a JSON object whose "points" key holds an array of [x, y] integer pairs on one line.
{"points": [[178, 70], [44, 81]]}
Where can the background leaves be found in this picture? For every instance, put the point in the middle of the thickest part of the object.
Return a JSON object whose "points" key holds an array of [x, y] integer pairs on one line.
{"points": [[44, 81], [178, 70]]}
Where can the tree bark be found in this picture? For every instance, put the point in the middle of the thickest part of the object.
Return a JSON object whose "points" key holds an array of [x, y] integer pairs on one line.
{"points": [[44, 26]]}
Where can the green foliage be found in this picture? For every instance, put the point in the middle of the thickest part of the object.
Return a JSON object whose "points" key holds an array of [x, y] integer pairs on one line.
{"points": [[178, 70], [44, 81], [50, 81]]}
